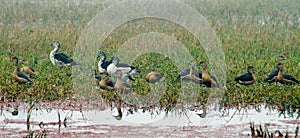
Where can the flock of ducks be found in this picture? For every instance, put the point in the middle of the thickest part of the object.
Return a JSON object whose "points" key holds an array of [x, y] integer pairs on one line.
{"points": [[275, 76], [124, 72]]}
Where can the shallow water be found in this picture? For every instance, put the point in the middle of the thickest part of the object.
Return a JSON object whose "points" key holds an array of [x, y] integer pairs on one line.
{"points": [[102, 121]]}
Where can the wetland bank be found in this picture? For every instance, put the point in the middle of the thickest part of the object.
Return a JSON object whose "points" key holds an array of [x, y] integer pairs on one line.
{"points": [[250, 32]]}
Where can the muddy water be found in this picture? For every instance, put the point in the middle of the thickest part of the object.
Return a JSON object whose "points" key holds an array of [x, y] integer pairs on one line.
{"points": [[98, 120]]}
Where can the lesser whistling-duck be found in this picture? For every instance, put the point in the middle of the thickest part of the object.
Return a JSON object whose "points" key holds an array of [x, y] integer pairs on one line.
{"points": [[208, 80], [125, 68], [28, 70], [19, 76], [284, 78], [153, 77], [60, 59], [247, 78], [191, 74], [103, 64], [121, 84], [275, 72], [106, 83]]}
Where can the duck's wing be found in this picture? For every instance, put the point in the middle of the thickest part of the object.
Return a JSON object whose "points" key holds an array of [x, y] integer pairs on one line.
{"points": [[158, 76], [244, 77], [199, 75], [63, 58], [123, 65], [98, 77], [110, 83], [184, 72], [32, 69], [291, 78], [127, 68], [23, 75], [127, 86], [271, 75], [215, 80]]}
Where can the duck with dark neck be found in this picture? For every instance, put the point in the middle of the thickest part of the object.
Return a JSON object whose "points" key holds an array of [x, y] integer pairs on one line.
{"points": [[247, 78], [19, 76]]}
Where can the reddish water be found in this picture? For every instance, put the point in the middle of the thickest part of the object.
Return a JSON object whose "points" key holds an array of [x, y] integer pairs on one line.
{"points": [[99, 121]]}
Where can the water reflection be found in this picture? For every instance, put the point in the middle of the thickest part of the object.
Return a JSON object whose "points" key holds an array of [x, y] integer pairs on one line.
{"points": [[58, 118]]}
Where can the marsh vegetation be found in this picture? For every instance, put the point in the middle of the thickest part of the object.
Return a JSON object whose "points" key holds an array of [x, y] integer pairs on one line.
{"points": [[252, 33]]}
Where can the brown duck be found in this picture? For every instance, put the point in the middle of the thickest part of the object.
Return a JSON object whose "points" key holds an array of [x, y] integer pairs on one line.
{"points": [[106, 83], [121, 84], [19, 76], [28, 70], [208, 80], [284, 78], [191, 74], [274, 73], [153, 77]]}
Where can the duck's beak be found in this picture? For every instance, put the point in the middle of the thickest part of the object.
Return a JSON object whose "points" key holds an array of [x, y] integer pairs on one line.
{"points": [[21, 62], [285, 59], [198, 65], [51, 44]]}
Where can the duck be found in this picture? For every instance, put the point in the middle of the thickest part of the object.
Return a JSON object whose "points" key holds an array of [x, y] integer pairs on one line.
{"points": [[103, 64], [207, 80], [246, 78], [190, 74], [20, 77], [284, 78], [28, 70], [60, 59], [105, 83], [121, 84], [154, 77], [125, 68], [275, 72]]}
